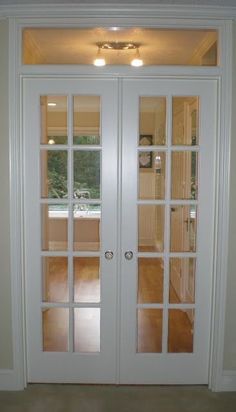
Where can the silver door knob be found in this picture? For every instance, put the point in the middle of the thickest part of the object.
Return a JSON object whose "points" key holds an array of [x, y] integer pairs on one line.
{"points": [[108, 254], [128, 255]]}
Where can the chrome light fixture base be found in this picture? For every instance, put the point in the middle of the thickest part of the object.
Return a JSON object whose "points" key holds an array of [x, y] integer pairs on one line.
{"points": [[118, 45]]}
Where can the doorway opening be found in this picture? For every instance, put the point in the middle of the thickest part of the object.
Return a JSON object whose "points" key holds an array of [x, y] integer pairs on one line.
{"points": [[71, 229]]}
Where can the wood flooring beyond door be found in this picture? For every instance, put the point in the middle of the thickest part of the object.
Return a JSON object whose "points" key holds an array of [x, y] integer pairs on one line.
{"points": [[87, 320]]}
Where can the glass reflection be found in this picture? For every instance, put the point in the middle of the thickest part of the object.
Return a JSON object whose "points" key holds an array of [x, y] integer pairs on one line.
{"points": [[185, 123], [87, 227], [152, 121], [54, 226], [150, 280], [87, 174], [151, 175], [87, 330], [55, 329], [149, 330], [54, 174], [86, 279], [151, 228], [53, 120], [183, 228], [184, 179], [180, 330], [55, 279], [86, 123], [182, 280]]}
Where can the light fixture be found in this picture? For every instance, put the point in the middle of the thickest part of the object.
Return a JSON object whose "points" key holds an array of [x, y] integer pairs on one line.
{"points": [[99, 61], [118, 46], [51, 141], [158, 164], [52, 104], [137, 61], [115, 28]]}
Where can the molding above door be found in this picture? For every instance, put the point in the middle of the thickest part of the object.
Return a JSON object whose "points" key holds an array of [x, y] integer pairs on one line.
{"points": [[129, 10]]}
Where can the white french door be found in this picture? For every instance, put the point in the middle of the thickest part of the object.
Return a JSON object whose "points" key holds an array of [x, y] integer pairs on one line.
{"points": [[70, 222], [97, 311], [169, 132]]}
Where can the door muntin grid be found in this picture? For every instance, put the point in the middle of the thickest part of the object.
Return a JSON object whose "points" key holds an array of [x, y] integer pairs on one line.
{"points": [[167, 325], [70, 154]]}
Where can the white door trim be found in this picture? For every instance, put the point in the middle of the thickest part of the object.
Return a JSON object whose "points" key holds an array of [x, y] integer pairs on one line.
{"points": [[130, 10], [224, 75]]}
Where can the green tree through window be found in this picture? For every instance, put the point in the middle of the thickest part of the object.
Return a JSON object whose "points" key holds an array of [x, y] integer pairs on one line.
{"points": [[86, 173]]}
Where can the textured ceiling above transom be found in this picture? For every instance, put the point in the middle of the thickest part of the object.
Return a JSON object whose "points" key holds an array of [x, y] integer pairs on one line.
{"points": [[79, 46]]}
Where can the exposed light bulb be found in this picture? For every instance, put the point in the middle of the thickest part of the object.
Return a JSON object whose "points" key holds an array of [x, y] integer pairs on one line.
{"points": [[99, 61], [137, 61], [51, 141]]}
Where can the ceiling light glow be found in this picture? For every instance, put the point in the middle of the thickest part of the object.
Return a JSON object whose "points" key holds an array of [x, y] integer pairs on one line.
{"points": [[99, 61], [118, 47], [51, 141], [137, 61]]}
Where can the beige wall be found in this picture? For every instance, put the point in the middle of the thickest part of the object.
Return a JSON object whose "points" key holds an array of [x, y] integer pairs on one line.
{"points": [[5, 298], [230, 332], [5, 293]]}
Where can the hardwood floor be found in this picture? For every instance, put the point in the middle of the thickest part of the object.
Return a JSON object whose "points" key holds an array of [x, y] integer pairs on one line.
{"points": [[180, 336], [87, 320], [149, 330], [86, 279], [150, 290], [150, 280], [55, 279]]}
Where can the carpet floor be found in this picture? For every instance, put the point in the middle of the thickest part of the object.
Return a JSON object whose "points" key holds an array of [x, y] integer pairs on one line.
{"points": [[110, 398]]}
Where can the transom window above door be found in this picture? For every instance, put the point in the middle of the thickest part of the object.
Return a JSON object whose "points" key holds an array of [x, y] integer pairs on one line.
{"points": [[120, 46]]}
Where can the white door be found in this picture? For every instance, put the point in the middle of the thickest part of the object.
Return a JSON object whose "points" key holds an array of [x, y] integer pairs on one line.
{"points": [[167, 238], [70, 132], [90, 317]]}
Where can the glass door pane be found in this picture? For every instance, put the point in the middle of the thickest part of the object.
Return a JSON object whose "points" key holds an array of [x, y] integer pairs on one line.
{"points": [[153, 228], [82, 167]]}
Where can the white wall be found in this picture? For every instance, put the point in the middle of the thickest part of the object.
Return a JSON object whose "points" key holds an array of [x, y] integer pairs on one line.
{"points": [[5, 285], [230, 331]]}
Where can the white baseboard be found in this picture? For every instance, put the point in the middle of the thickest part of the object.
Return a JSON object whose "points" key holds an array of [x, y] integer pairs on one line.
{"points": [[9, 381], [228, 381]]}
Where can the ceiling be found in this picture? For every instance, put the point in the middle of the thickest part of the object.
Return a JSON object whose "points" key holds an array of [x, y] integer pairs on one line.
{"points": [[79, 46]]}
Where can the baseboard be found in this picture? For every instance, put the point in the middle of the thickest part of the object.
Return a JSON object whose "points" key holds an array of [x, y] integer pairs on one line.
{"points": [[228, 381], [9, 380]]}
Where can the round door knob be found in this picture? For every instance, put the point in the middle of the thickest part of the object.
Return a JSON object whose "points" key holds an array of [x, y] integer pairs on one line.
{"points": [[128, 255], [108, 254]]}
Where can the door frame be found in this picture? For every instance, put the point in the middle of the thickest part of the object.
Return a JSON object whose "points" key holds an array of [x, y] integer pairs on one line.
{"points": [[154, 16]]}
